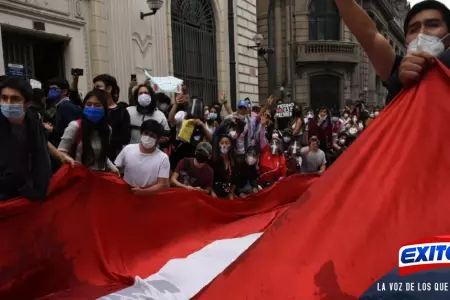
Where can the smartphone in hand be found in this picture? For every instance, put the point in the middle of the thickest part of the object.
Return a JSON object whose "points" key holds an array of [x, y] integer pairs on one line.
{"points": [[77, 72]]}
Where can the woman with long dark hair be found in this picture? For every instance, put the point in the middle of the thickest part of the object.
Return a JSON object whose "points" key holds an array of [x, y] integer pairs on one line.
{"points": [[223, 164], [146, 109], [87, 140], [297, 123]]}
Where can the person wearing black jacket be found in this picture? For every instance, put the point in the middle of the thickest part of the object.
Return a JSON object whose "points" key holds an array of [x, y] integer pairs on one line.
{"points": [[247, 174], [25, 168], [61, 110], [119, 118]]}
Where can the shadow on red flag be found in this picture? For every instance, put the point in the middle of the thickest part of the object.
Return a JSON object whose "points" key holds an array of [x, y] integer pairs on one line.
{"points": [[389, 188]]}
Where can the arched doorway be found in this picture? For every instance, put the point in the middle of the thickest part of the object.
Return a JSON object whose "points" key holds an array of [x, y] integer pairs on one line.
{"points": [[324, 21], [194, 47], [325, 92]]}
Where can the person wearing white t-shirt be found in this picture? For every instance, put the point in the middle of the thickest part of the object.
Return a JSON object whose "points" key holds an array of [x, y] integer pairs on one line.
{"points": [[145, 167]]}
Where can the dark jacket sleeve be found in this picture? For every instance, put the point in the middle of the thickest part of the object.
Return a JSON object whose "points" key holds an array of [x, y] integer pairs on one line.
{"points": [[36, 186], [124, 137], [393, 85], [66, 113], [253, 178], [74, 96]]}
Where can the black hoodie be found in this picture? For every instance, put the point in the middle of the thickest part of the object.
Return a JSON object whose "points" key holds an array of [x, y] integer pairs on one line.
{"points": [[25, 169]]}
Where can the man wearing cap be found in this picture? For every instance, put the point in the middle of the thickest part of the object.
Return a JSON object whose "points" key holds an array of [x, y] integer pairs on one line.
{"points": [[426, 30], [195, 173], [243, 141]]}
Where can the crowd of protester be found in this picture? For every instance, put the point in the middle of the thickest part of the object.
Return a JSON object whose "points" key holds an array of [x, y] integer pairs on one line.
{"points": [[189, 143], [154, 142]]}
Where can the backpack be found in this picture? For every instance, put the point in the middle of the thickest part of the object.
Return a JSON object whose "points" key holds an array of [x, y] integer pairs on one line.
{"points": [[77, 141]]}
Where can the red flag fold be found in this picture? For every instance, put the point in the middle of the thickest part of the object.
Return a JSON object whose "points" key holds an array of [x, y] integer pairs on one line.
{"points": [[389, 188]]}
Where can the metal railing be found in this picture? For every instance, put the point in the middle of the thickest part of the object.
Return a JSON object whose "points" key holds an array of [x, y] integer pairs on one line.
{"points": [[327, 50], [325, 47]]}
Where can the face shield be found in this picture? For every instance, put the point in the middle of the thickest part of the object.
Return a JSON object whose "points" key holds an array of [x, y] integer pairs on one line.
{"points": [[275, 147], [294, 149], [195, 109]]}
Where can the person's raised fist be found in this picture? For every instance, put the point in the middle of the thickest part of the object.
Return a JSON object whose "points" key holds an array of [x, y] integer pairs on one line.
{"points": [[413, 66]]}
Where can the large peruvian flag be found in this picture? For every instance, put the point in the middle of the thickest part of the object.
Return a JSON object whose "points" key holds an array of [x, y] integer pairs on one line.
{"points": [[306, 238], [93, 238]]}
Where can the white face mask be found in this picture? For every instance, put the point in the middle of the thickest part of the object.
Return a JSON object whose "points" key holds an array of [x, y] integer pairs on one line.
{"points": [[275, 136], [251, 160], [310, 116], [372, 115], [353, 131], [430, 44], [360, 126], [224, 149], [376, 114], [342, 141], [148, 142], [144, 100], [233, 134], [355, 119], [286, 139], [346, 116]]}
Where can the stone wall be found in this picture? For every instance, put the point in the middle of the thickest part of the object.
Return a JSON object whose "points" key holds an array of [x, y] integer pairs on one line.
{"points": [[247, 59]]}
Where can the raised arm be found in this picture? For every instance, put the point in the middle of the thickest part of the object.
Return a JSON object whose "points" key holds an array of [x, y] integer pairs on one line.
{"points": [[377, 47]]}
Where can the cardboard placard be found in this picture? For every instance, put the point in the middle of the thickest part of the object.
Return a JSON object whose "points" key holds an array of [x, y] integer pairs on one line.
{"points": [[284, 110]]}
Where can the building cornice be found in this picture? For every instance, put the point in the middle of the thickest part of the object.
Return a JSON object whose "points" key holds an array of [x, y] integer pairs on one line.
{"points": [[40, 15], [396, 30], [386, 9]]}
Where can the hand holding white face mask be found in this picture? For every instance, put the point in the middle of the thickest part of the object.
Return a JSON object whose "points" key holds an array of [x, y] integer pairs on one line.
{"points": [[420, 56]]}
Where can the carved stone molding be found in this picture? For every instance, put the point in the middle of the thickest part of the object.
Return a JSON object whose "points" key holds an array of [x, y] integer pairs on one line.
{"points": [[78, 9], [58, 6], [143, 43]]}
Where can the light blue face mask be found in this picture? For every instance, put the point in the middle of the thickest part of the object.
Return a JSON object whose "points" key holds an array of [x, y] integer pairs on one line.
{"points": [[12, 111]]}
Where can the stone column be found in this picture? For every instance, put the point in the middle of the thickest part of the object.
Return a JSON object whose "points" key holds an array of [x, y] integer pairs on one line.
{"points": [[278, 46], [2, 62], [98, 20]]}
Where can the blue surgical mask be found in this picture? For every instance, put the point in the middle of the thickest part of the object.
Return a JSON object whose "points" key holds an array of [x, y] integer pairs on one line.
{"points": [[54, 95], [213, 116], [94, 114], [12, 111]]}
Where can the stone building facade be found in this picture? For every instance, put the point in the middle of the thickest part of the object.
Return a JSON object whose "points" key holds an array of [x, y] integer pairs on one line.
{"points": [[317, 60], [185, 38]]}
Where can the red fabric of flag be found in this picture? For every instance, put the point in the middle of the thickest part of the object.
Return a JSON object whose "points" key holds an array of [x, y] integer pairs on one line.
{"points": [[92, 236], [389, 188]]}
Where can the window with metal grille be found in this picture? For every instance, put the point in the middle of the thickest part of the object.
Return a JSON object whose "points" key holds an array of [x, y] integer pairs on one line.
{"points": [[325, 91], [194, 47], [324, 20]]}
